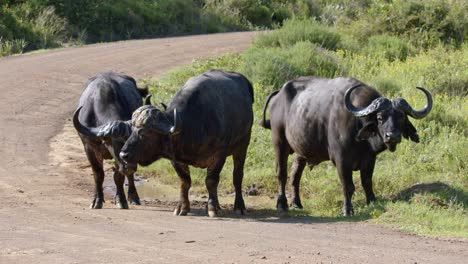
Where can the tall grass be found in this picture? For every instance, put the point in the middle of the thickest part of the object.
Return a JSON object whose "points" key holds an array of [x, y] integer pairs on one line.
{"points": [[50, 28], [9, 47]]}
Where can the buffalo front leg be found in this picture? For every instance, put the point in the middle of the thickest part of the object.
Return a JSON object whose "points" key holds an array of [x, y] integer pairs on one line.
{"points": [[297, 168], [183, 207], [282, 153], [133, 197], [366, 180], [120, 199], [211, 182], [346, 177], [98, 173]]}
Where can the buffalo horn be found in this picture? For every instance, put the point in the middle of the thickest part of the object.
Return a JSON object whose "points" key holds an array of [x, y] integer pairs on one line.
{"points": [[114, 129], [161, 123], [403, 105], [174, 129], [148, 99], [377, 104]]}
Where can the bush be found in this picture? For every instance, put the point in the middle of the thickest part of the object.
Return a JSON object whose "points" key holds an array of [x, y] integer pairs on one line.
{"points": [[426, 23], [9, 47], [273, 66], [49, 28], [263, 14], [390, 47], [423, 23], [297, 30]]}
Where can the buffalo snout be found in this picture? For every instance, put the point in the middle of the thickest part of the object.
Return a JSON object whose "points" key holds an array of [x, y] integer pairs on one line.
{"points": [[392, 137], [124, 156]]}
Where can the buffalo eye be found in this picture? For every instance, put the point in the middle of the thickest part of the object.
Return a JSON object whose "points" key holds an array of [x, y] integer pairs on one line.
{"points": [[141, 135], [380, 119]]}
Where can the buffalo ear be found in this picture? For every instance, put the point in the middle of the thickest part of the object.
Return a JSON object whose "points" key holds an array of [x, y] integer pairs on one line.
{"points": [[409, 131], [369, 130]]}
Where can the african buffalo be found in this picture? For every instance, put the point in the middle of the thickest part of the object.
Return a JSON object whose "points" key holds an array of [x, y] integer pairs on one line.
{"points": [[108, 97], [209, 119], [342, 120]]}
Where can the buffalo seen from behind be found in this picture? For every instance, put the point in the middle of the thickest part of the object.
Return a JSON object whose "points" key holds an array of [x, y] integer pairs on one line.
{"points": [[107, 99], [342, 120], [209, 119]]}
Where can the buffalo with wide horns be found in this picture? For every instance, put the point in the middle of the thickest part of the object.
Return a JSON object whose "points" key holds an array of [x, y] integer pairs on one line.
{"points": [[342, 120]]}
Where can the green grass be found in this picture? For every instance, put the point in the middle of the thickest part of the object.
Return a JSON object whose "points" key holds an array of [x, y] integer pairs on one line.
{"points": [[421, 188]]}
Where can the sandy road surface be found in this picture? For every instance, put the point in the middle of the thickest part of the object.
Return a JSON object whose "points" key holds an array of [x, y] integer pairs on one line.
{"points": [[44, 215]]}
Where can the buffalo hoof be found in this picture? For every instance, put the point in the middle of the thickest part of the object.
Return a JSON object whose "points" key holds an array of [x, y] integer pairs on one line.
{"points": [[239, 212], [121, 203], [282, 204], [348, 211], [212, 213], [296, 203], [96, 204], [178, 212], [213, 207], [239, 206], [370, 199], [134, 199], [181, 210]]}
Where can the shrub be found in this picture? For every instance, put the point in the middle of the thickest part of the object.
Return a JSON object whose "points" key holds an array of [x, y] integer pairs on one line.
{"points": [[263, 14], [423, 23], [273, 66], [428, 22], [392, 48], [342, 12], [50, 28], [9, 47], [297, 30]]}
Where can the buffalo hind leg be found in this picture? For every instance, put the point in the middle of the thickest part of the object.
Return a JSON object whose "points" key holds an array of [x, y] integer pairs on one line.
{"points": [[183, 171], [282, 152], [346, 177], [366, 180], [297, 168], [238, 175], [212, 181], [133, 197], [98, 173], [120, 199]]}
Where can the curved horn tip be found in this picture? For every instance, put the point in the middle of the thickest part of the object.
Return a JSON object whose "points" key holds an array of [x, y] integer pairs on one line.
{"points": [[75, 116], [174, 127], [148, 99], [347, 100], [418, 114], [80, 127]]}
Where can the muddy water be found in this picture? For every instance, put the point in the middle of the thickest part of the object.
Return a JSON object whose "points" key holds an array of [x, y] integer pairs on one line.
{"points": [[151, 190]]}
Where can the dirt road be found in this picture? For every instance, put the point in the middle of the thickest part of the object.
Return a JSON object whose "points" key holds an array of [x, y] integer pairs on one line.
{"points": [[44, 215]]}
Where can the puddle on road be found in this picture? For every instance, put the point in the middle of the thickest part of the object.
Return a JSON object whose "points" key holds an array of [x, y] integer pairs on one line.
{"points": [[151, 190]]}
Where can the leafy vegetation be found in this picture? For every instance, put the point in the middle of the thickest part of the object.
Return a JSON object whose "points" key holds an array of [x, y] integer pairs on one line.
{"points": [[421, 188], [51, 23], [417, 24]]}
